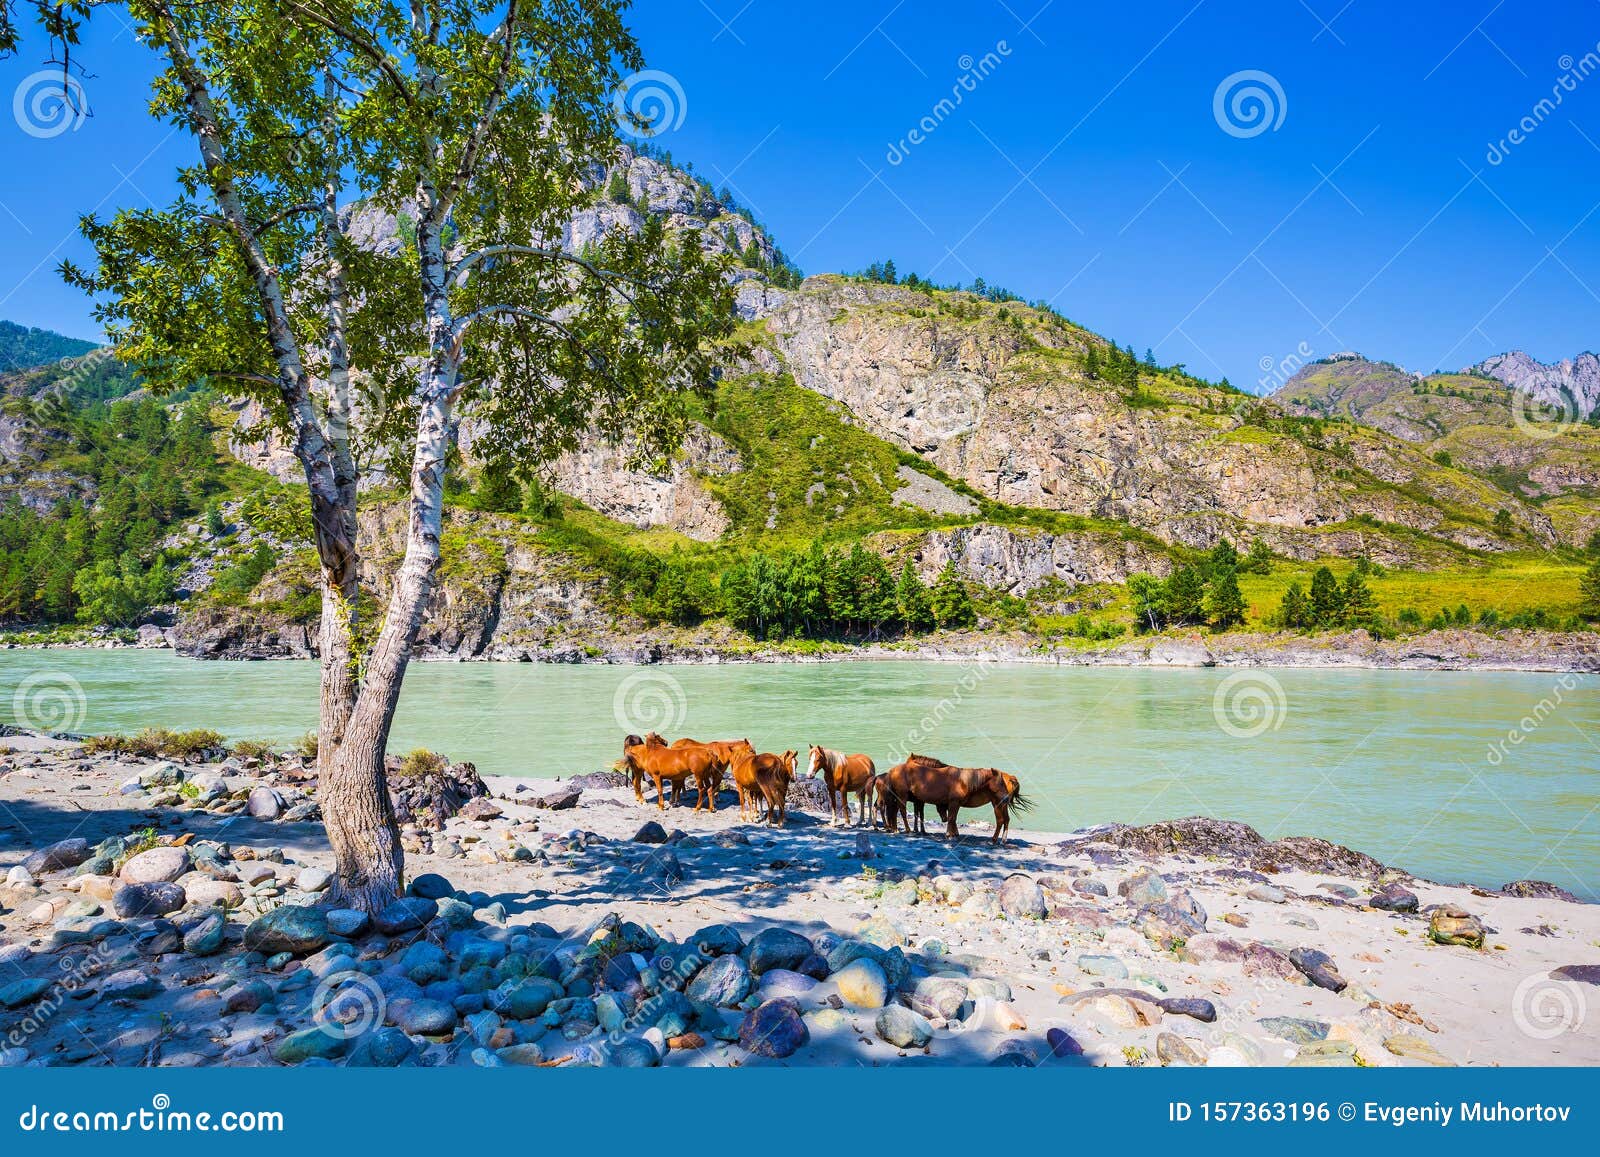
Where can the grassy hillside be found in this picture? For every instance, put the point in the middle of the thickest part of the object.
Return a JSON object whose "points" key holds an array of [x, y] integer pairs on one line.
{"points": [[22, 347]]}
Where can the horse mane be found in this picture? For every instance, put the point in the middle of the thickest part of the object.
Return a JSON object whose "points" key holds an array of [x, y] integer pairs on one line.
{"points": [[831, 759]]}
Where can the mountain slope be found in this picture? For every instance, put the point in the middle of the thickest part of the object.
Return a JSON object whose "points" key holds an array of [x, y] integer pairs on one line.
{"points": [[23, 348]]}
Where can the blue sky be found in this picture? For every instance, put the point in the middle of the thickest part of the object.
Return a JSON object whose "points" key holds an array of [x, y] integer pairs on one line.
{"points": [[1086, 165]]}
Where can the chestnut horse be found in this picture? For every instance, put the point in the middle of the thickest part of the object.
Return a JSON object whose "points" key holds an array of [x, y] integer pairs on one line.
{"points": [[843, 774], [724, 751], [651, 756], [922, 780], [764, 778]]}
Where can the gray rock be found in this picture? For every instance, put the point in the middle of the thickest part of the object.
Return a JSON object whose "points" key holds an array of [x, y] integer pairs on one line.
{"points": [[1197, 1007], [156, 866], [290, 928], [724, 982], [774, 1029], [58, 857], [423, 1017], [21, 992], [431, 886], [130, 984], [265, 803], [1299, 1030], [207, 937], [382, 1048], [153, 899], [406, 914], [903, 1028], [309, 1044], [1022, 898], [650, 833], [1318, 968], [526, 998], [348, 922], [776, 948], [1394, 898], [1143, 889], [313, 879], [1107, 966]]}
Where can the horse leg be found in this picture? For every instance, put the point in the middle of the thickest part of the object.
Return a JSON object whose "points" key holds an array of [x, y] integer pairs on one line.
{"points": [[950, 831], [638, 784], [661, 792]]}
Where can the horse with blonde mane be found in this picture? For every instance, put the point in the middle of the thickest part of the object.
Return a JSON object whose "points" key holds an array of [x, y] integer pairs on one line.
{"points": [[842, 774]]}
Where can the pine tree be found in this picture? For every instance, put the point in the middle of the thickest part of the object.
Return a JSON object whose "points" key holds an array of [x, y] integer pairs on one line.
{"points": [[1360, 608], [1223, 556], [1185, 596], [1224, 600], [1091, 362], [1296, 611], [915, 611], [952, 605], [889, 273], [1589, 590], [1259, 560], [877, 594], [1327, 600]]}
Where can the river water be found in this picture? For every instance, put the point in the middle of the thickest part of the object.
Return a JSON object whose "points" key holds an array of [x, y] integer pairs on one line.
{"points": [[1420, 769]]}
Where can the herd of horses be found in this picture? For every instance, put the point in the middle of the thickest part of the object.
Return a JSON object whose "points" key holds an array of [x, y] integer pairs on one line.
{"points": [[762, 780]]}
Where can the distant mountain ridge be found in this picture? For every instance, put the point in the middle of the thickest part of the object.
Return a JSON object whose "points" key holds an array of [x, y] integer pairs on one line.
{"points": [[24, 347], [1571, 385]]}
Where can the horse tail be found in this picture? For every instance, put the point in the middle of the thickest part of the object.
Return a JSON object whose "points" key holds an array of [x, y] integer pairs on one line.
{"points": [[1019, 802]]}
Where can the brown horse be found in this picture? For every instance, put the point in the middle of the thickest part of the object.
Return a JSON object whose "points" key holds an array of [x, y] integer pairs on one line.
{"points": [[724, 752], [922, 780], [764, 778], [843, 774], [651, 756]]}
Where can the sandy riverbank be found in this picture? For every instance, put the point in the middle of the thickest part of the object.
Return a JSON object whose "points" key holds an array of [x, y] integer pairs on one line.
{"points": [[551, 930]]}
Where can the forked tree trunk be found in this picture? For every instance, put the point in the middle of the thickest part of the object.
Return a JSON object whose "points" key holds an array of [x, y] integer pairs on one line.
{"points": [[357, 809]]}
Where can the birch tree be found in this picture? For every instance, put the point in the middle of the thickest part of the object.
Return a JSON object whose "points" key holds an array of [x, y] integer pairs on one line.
{"points": [[487, 126]]}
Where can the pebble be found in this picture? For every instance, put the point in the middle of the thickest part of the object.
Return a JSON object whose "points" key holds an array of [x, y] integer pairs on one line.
{"points": [[406, 914], [1022, 898], [1109, 966], [1414, 1048], [347, 922], [147, 899], [1318, 968], [724, 982], [776, 948]]}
